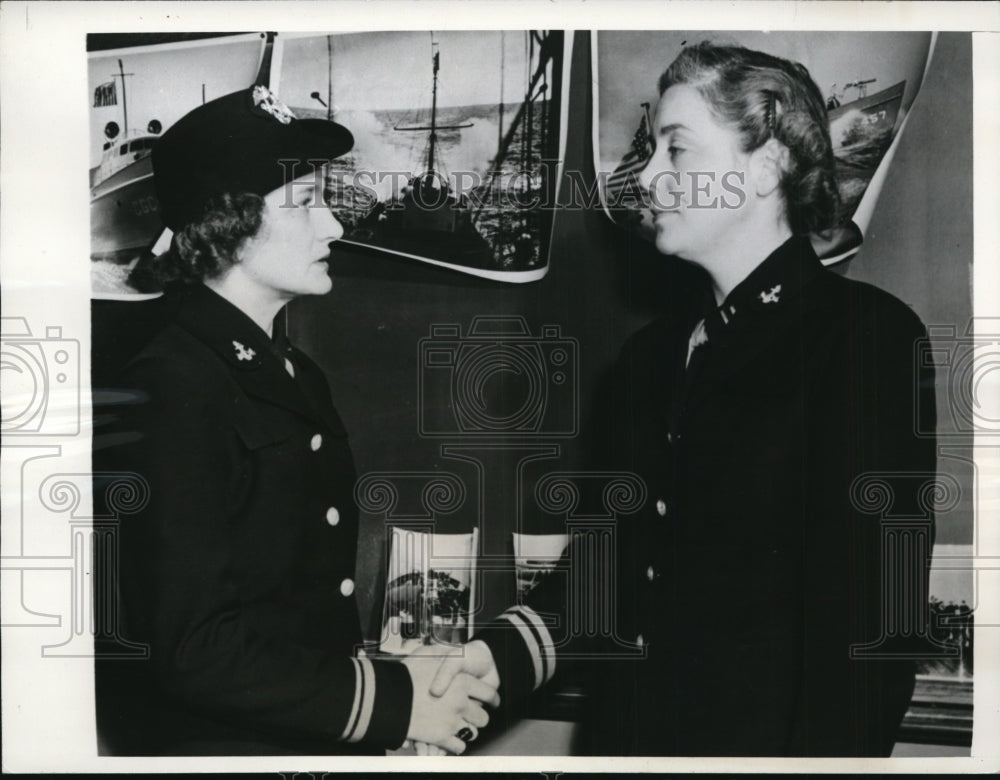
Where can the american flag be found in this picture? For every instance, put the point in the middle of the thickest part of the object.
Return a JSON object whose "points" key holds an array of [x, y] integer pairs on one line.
{"points": [[623, 189], [106, 95]]}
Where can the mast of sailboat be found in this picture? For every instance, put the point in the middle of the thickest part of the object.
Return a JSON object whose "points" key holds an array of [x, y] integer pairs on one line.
{"points": [[434, 126], [434, 106], [329, 77]]}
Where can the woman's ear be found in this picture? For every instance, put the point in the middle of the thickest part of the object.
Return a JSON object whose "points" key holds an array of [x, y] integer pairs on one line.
{"points": [[768, 163]]}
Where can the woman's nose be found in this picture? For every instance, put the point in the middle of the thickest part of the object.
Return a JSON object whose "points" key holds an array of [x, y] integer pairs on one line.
{"points": [[327, 226], [660, 182], [645, 177]]}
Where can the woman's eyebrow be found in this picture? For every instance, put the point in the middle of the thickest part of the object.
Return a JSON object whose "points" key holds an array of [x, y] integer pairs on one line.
{"points": [[667, 129]]}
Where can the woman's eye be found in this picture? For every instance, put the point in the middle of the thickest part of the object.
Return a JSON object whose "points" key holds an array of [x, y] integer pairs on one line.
{"points": [[673, 151]]}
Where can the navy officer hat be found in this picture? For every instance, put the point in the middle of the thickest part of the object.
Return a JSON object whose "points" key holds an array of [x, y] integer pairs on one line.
{"points": [[234, 144]]}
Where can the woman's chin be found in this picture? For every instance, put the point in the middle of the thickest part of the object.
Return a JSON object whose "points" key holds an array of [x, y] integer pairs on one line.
{"points": [[665, 241], [320, 283]]}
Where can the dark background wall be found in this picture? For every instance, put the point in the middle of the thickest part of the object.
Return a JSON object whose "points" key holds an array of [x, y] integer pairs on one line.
{"points": [[602, 285], [919, 243]]}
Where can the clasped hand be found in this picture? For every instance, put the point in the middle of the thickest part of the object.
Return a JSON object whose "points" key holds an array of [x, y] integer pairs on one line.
{"points": [[451, 685]]}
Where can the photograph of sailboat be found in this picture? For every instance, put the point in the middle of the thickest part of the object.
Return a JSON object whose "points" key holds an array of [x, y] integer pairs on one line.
{"points": [[455, 164], [869, 81]]}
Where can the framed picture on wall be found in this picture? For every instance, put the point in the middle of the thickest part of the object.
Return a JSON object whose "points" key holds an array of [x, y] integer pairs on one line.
{"points": [[457, 163]]}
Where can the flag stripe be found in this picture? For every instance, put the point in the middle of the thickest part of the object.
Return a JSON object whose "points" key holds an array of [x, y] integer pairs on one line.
{"points": [[633, 161]]}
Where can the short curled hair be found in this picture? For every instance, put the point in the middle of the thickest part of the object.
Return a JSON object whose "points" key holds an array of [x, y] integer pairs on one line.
{"points": [[204, 249], [762, 97]]}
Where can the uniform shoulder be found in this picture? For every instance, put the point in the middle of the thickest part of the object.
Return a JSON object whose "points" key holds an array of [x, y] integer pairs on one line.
{"points": [[657, 335], [867, 306], [175, 358]]}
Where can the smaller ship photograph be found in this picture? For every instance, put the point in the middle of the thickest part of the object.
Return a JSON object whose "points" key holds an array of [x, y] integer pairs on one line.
{"points": [[536, 557], [452, 166], [430, 589]]}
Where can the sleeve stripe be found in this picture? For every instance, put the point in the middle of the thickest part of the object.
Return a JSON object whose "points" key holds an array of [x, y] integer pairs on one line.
{"points": [[367, 700], [548, 650], [531, 643], [352, 718]]}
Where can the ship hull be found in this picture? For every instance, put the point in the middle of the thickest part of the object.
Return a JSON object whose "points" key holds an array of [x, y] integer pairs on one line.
{"points": [[465, 247], [124, 213], [441, 232], [882, 107]]}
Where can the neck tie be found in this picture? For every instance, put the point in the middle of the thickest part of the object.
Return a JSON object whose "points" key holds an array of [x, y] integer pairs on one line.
{"points": [[284, 348], [698, 337]]}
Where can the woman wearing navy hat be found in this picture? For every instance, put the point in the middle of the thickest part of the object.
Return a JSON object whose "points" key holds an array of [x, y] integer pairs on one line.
{"points": [[751, 586], [238, 573]]}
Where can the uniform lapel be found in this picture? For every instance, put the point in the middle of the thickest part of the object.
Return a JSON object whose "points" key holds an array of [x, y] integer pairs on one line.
{"points": [[665, 368], [246, 349], [767, 307], [314, 385]]}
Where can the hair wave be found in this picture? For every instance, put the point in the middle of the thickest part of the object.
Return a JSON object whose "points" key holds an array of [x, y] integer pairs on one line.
{"points": [[206, 248]]}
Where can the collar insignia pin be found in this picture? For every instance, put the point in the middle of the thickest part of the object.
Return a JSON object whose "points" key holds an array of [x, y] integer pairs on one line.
{"points": [[771, 296], [243, 353]]}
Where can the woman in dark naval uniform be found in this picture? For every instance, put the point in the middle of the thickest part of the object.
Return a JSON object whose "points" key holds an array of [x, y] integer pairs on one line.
{"points": [[238, 573], [749, 585]]}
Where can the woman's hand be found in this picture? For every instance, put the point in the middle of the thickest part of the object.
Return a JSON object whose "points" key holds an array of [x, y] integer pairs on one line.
{"points": [[437, 720], [473, 658]]}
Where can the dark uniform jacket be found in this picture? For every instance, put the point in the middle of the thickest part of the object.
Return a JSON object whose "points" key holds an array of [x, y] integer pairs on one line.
{"points": [[749, 572], [238, 573]]}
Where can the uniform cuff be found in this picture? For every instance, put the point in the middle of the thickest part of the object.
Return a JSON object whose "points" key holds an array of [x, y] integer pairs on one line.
{"points": [[383, 698], [522, 651]]}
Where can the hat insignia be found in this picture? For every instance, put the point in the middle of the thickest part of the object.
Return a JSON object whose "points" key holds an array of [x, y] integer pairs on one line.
{"points": [[771, 296], [266, 100], [243, 353]]}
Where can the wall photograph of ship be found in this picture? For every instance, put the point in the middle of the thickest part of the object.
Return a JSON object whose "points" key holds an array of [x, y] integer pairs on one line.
{"points": [[869, 82], [137, 90], [457, 140]]}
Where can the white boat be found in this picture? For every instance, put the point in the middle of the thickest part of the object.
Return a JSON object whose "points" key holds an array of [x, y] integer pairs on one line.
{"points": [[124, 211]]}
